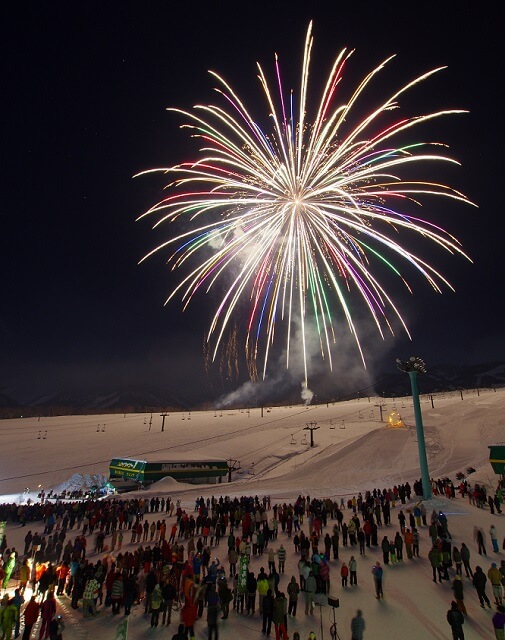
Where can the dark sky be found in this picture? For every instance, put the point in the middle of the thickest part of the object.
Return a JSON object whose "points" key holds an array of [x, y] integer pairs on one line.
{"points": [[85, 92]]}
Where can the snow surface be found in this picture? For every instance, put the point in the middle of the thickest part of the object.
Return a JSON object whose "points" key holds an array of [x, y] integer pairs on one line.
{"points": [[354, 451]]}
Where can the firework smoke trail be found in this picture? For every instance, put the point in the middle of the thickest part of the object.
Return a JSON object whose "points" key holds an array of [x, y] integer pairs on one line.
{"points": [[294, 220]]}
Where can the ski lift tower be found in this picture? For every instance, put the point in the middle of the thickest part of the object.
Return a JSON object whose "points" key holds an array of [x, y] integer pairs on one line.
{"points": [[311, 426], [233, 465]]}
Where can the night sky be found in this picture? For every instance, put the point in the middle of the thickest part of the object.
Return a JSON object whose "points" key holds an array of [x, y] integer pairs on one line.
{"points": [[85, 87]]}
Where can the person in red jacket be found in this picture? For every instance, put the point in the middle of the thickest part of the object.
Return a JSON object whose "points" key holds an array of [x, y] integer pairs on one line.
{"points": [[48, 611], [31, 613], [109, 581], [188, 617], [344, 573]]}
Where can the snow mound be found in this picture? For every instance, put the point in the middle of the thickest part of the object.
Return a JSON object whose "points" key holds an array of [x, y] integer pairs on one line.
{"points": [[79, 482]]}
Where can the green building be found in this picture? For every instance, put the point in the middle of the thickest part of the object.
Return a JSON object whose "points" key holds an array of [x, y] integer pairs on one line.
{"points": [[193, 470], [497, 458]]}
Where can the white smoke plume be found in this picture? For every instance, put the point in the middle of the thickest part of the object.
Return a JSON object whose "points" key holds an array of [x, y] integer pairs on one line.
{"points": [[306, 393]]}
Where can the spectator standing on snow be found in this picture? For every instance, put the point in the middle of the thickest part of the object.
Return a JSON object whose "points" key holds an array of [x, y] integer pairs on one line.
{"points": [[435, 558], [213, 617], [89, 597], [18, 600], [252, 588], [47, 613], [456, 558], [415, 542], [457, 589], [385, 549], [465, 557], [344, 572], [493, 534], [181, 634], [357, 626], [188, 616], [353, 568], [479, 582], [117, 593], [31, 614], [293, 590], [377, 573], [495, 577], [478, 536], [279, 616], [155, 607], [310, 590], [268, 612], [499, 622], [263, 586], [9, 617], [456, 621], [281, 556]]}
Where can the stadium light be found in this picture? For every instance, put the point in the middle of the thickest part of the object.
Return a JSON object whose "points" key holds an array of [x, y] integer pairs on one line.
{"points": [[413, 366]]}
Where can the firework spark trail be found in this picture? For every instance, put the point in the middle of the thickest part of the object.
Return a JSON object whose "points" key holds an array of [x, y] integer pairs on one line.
{"points": [[294, 220]]}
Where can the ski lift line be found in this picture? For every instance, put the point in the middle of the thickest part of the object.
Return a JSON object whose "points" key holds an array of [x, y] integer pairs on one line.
{"points": [[255, 452], [119, 418], [261, 424], [134, 416], [78, 425]]}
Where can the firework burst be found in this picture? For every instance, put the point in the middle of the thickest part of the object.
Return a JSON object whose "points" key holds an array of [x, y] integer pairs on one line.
{"points": [[298, 221]]}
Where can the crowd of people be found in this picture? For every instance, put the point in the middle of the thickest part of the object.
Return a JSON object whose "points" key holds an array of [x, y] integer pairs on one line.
{"points": [[155, 554]]}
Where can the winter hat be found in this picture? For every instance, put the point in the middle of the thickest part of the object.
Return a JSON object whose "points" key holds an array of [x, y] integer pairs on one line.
{"points": [[494, 565]]}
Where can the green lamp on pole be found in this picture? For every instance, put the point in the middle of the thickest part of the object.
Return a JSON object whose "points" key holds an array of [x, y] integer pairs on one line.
{"points": [[414, 366]]}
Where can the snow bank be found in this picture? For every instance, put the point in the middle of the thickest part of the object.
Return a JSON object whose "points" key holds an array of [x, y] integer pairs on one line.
{"points": [[80, 482]]}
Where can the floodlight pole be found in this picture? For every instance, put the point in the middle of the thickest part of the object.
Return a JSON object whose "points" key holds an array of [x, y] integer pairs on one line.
{"points": [[412, 367]]}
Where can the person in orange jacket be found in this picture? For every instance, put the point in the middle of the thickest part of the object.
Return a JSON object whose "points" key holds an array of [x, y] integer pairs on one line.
{"points": [[408, 538], [62, 572]]}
